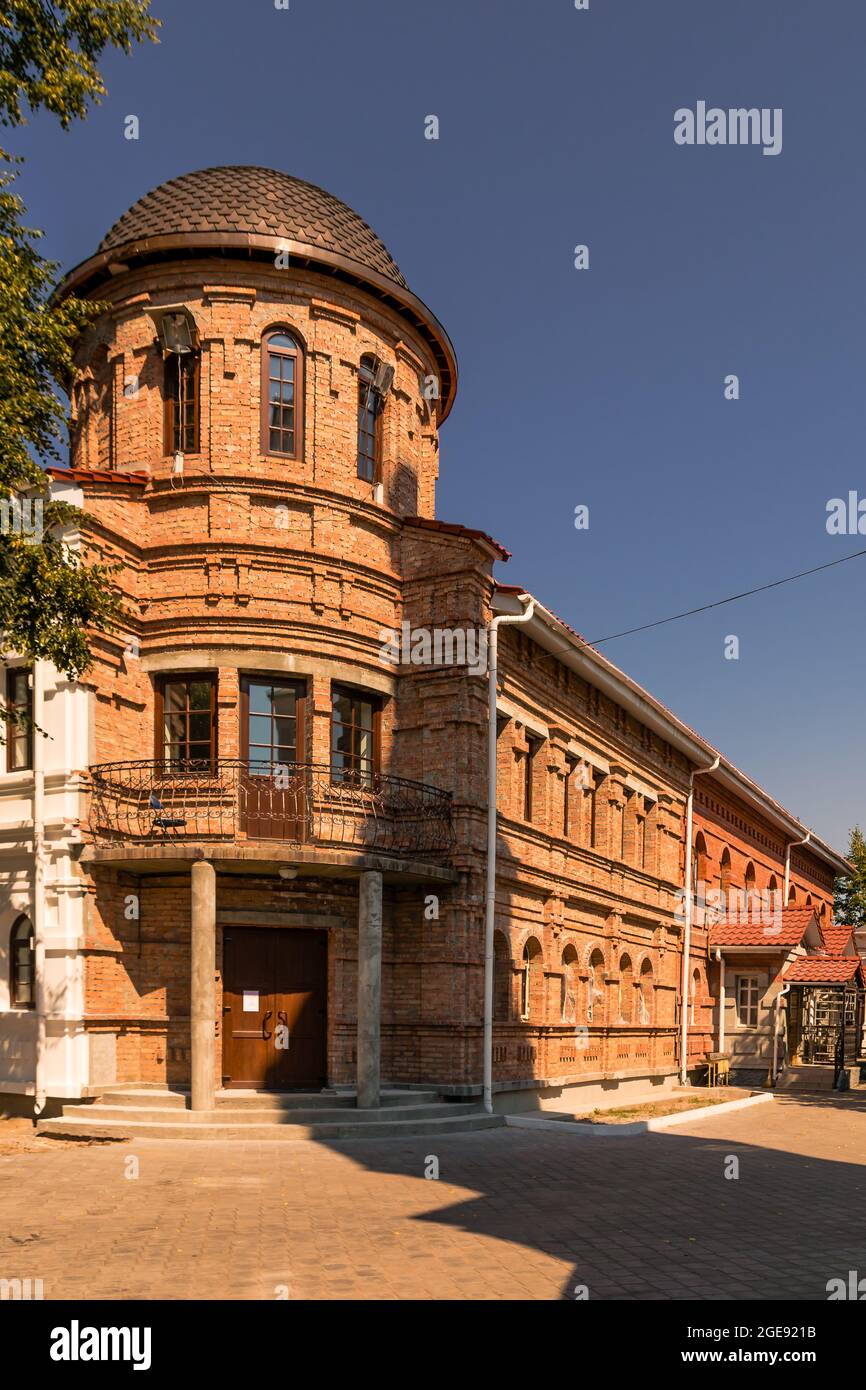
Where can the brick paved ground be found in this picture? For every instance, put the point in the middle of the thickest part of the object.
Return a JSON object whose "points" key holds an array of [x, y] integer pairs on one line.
{"points": [[515, 1214]]}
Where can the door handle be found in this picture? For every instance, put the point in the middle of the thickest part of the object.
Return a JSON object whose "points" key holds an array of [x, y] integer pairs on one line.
{"points": [[265, 1034]]}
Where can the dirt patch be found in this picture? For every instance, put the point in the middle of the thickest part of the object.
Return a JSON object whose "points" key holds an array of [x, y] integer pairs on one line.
{"points": [[18, 1136], [628, 1115]]}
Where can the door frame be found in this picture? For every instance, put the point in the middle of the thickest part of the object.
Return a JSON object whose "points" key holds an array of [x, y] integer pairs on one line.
{"points": [[227, 1084]]}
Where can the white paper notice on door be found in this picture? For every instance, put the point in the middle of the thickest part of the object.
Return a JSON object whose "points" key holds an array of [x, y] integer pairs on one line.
{"points": [[251, 1001]]}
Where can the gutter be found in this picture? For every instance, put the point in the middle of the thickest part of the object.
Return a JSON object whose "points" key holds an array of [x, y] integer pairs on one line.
{"points": [[556, 636], [788, 849], [490, 898]]}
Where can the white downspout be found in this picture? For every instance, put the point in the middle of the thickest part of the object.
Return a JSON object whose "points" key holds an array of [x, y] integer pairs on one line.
{"points": [[788, 849], [39, 883], [687, 935], [779, 997], [490, 898]]}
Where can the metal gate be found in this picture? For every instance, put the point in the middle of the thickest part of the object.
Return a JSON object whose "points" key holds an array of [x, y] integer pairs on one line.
{"points": [[821, 1024]]}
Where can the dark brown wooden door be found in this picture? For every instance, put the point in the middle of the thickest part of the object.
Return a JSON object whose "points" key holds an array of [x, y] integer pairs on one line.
{"points": [[272, 785], [274, 1008]]}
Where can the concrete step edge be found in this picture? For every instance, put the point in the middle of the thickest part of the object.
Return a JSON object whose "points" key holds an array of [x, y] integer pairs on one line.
{"points": [[138, 1129], [93, 1114]]}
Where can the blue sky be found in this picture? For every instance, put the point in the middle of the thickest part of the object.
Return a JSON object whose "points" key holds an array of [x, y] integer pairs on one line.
{"points": [[601, 387]]}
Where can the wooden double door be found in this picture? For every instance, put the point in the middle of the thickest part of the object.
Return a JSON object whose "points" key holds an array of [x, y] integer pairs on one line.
{"points": [[275, 984]]}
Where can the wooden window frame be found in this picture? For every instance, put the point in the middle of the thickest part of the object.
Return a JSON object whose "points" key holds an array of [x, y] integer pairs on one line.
{"points": [[178, 678], [14, 981], [366, 390], [571, 765], [13, 732], [373, 698], [533, 747], [748, 980], [173, 441], [266, 678], [299, 356]]}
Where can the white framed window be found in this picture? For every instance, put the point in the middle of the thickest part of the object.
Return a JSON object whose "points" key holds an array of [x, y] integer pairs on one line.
{"points": [[748, 992]]}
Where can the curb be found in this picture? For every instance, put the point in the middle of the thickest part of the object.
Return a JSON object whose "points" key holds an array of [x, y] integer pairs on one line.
{"points": [[683, 1117]]}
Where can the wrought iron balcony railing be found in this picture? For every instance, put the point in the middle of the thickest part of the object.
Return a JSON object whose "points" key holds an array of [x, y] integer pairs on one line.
{"points": [[146, 803]]}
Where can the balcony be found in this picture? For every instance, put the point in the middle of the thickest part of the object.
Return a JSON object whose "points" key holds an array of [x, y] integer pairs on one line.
{"points": [[157, 803]]}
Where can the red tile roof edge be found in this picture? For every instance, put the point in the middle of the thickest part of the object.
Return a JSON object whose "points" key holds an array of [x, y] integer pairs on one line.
{"points": [[102, 475], [453, 528]]}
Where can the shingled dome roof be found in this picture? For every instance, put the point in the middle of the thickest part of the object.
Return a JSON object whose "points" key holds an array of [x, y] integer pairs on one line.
{"points": [[242, 214], [240, 198]]}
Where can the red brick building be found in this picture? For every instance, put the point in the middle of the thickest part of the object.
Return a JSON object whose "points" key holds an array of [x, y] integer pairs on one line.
{"points": [[267, 800]]}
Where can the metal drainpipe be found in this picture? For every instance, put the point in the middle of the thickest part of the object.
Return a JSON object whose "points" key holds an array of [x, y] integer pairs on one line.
{"points": [[39, 885], [687, 935], [788, 849], [490, 899], [779, 997]]}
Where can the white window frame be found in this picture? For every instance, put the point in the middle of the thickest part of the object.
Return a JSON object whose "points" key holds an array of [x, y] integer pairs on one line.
{"points": [[751, 985]]}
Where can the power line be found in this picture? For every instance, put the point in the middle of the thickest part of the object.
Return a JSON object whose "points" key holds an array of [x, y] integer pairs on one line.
{"points": [[690, 612]]}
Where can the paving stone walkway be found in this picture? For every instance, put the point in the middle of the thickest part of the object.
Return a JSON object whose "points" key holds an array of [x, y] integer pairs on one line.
{"points": [[514, 1214]]}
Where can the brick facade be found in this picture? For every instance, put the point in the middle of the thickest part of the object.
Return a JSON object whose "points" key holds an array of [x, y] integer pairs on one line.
{"points": [[244, 563]]}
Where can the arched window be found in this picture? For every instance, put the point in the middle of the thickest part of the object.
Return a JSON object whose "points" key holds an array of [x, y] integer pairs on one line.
{"points": [[699, 863], [626, 989], [750, 904], [282, 395], [371, 406], [725, 878], [529, 979], [595, 989], [23, 959], [694, 994], [181, 377], [645, 996], [808, 899], [773, 893], [792, 894], [568, 986], [501, 979]]}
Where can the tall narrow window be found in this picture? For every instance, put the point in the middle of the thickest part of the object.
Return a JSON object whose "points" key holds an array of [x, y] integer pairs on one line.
{"points": [[181, 394], [725, 879], [532, 747], [596, 779], [19, 733], [282, 395], [640, 834], [273, 725], [773, 892], [371, 405], [747, 1000], [186, 710], [23, 975], [354, 735], [570, 767], [529, 980]]}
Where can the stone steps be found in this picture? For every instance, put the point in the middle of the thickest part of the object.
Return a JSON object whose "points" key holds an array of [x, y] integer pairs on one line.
{"points": [[814, 1077], [251, 1115], [279, 1102], [396, 1122]]}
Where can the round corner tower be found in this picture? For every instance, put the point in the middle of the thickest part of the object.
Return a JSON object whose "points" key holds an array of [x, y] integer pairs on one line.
{"points": [[255, 425]]}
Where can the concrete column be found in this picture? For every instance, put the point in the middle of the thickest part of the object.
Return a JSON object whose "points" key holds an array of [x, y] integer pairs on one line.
{"points": [[202, 1011], [369, 988]]}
